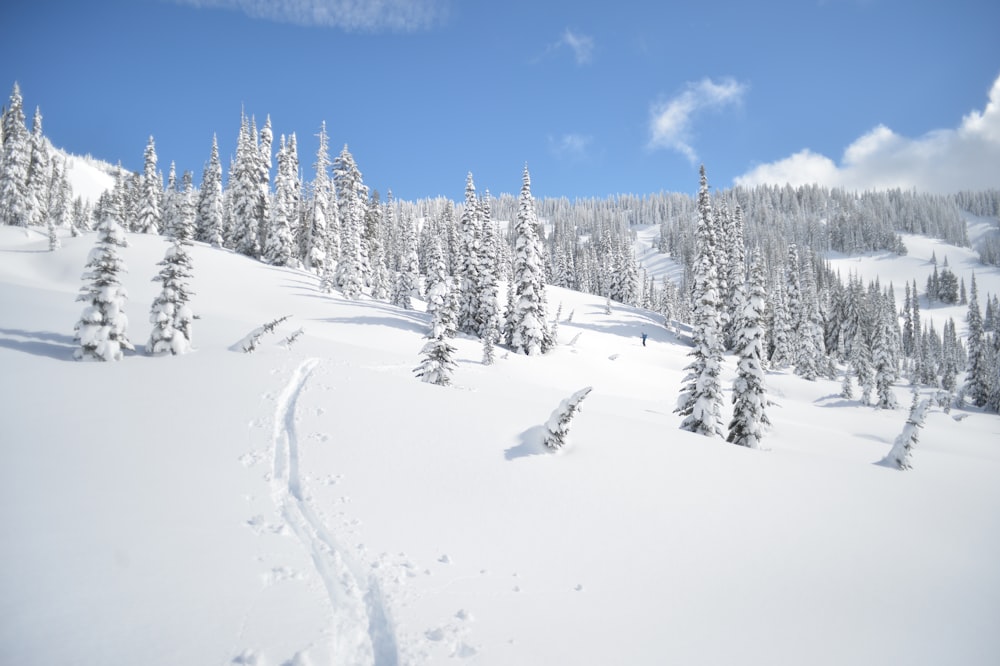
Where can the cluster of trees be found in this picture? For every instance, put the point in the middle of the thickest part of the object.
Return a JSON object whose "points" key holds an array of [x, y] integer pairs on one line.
{"points": [[761, 245], [468, 300], [34, 189], [102, 331]]}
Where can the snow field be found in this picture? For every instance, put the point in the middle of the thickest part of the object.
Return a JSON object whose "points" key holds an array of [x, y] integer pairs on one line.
{"points": [[320, 505]]}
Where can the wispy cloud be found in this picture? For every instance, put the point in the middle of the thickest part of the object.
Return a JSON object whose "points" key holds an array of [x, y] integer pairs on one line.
{"points": [[670, 123], [944, 160], [570, 147], [348, 15], [581, 45]]}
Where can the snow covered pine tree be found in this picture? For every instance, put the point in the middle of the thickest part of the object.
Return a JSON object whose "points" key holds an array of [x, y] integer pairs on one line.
{"points": [[101, 329]]}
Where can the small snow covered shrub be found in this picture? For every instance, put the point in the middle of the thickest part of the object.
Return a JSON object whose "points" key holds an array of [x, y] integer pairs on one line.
{"points": [[902, 448], [557, 427]]}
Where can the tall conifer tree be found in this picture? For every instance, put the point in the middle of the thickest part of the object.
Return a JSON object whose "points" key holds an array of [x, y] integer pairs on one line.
{"points": [[700, 400]]}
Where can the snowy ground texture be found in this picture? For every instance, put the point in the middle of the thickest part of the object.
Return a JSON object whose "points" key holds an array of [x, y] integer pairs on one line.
{"points": [[317, 504]]}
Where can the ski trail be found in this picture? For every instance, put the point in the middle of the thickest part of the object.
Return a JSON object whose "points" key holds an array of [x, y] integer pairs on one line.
{"points": [[361, 631]]}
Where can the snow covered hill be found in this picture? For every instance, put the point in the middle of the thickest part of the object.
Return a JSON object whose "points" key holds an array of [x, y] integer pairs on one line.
{"points": [[314, 503], [88, 177]]}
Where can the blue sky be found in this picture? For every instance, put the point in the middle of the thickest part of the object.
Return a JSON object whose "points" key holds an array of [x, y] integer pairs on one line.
{"points": [[597, 98]]}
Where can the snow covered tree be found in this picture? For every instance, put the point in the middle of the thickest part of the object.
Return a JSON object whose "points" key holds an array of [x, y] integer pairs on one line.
{"points": [[171, 211], [351, 198], [39, 174], [749, 394], [557, 427], [812, 350], [244, 184], [780, 330], [262, 160], [170, 314], [321, 233], [101, 330], [978, 375], [528, 317], [408, 277], [469, 261], [209, 218], [279, 248], [53, 235], [60, 195], [735, 267], [187, 210], [902, 448], [437, 365], [151, 193], [14, 206], [883, 354], [700, 400], [490, 316], [373, 235]]}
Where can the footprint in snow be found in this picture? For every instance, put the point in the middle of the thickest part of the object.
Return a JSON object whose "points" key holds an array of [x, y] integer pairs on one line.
{"points": [[463, 650], [248, 658]]}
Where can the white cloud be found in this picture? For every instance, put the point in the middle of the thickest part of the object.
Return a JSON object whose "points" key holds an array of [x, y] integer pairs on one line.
{"points": [[671, 120], [581, 45], [350, 15], [572, 147], [944, 160]]}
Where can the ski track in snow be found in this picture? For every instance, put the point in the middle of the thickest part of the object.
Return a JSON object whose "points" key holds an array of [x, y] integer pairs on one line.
{"points": [[361, 632]]}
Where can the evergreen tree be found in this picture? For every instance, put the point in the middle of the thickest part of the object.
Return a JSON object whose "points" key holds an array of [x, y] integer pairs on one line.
{"points": [[321, 245], [409, 261], [862, 364], [733, 235], [187, 212], [883, 357], [245, 193], [101, 331], [438, 365], [280, 248], [557, 427], [351, 198], [151, 192], [437, 282], [811, 351], [490, 317], [262, 204], [209, 219], [528, 316], [908, 328], [950, 357], [60, 195], [749, 394], [171, 315], [700, 400], [171, 203], [373, 245], [14, 206], [947, 290], [978, 376], [900, 455], [781, 330], [469, 261], [39, 174]]}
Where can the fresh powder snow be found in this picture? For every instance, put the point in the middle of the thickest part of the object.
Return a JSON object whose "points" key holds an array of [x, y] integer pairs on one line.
{"points": [[316, 503]]}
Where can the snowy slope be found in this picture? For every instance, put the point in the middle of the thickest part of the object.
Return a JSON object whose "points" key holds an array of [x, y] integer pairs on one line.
{"points": [[88, 177], [317, 504]]}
